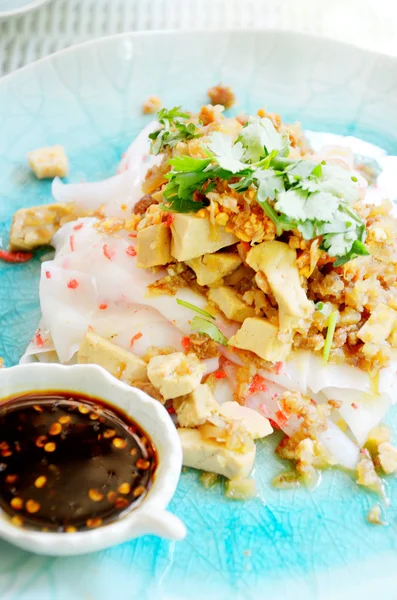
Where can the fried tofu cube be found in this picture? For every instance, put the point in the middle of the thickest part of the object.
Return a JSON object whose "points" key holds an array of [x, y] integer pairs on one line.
{"points": [[154, 245], [379, 325], [175, 374], [230, 303], [212, 267], [256, 425], [36, 226], [387, 457], [260, 336], [49, 162], [120, 363], [278, 262], [195, 408], [213, 456], [193, 236]]}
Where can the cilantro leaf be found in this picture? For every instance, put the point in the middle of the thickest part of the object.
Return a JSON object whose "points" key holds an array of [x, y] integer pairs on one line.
{"points": [[172, 130], [226, 154], [259, 138], [206, 327], [196, 309], [186, 163], [334, 180], [269, 184]]}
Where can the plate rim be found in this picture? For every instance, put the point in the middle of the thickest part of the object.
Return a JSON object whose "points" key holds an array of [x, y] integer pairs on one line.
{"points": [[319, 39]]}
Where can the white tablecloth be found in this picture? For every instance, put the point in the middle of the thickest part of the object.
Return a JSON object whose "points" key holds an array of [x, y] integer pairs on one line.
{"points": [[61, 23]]}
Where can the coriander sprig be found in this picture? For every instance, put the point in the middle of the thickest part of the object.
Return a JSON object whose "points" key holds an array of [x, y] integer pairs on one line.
{"points": [[173, 129], [314, 198]]}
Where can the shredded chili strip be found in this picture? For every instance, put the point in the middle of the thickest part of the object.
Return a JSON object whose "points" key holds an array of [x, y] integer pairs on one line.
{"points": [[134, 338], [15, 257]]}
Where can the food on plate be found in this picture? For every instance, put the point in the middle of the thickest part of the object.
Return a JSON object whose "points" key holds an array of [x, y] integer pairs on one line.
{"points": [[49, 162], [151, 105], [36, 226], [221, 95], [240, 278], [47, 441]]}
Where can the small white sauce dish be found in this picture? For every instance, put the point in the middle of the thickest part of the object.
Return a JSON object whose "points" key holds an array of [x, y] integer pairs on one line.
{"points": [[151, 516]]}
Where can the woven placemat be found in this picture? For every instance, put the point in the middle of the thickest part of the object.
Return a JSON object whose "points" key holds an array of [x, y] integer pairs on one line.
{"points": [[62, 23]]}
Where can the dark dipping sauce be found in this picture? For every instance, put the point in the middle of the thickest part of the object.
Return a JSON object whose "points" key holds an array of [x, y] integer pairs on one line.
{"points": [[70, 463]]}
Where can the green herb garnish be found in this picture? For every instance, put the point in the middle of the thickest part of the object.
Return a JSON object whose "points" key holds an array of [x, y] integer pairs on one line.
{"points": [[206, 327], [196, 309], [173, 129], [330, 335], [295, 194]]}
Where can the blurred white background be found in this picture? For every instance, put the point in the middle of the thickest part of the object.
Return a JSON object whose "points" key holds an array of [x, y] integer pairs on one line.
{"points": [[61, 23]]}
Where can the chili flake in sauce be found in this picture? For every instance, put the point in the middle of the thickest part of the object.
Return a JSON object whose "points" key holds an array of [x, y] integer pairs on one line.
{"points": [[70, 462]]}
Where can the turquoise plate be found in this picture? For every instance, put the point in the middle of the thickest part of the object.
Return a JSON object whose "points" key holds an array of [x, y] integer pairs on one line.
{"points": [[287, 544]]}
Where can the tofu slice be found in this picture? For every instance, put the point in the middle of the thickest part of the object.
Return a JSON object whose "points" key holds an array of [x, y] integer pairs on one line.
{"points": [[379, 325], [36, 226], [49, 162], [213, 456], [260, 336], [212, 267], [193, 236], [195, 408], [175, 374], [154, 246], [119, 362], [278, 262], [256, 425], [230, 303]]}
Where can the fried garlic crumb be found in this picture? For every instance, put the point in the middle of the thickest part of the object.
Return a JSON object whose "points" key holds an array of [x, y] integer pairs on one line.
{"points": [[374, 515], [151, 105], [221, 94], [387, 457]]}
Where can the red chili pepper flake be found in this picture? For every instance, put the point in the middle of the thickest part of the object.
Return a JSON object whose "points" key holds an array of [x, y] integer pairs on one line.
{"points": [[73, 284], [277, 367], [313, 402], [274, 424], [135, 337], [108, 252], [275, 396], [39, 340], [78, 226], [354, 405], [103, 306], [169, 220], [257, 384], [131, 251], [15, 257], [220, 374], [48, 274], [71, 242], [133, 235], [186, 343], [171, 410], [281, 418]]}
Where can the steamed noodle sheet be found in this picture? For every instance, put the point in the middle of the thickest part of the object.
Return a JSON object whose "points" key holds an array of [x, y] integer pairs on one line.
{"points": [[111, 298]]}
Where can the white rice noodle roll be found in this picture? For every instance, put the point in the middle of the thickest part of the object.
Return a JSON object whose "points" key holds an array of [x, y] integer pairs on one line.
{"points": [[125, 188], [361, 411], [120, 280], [342, 450], [292, 374], [67, 312], [324, 375], [387, 383], [223, 391], [211, 364]]}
